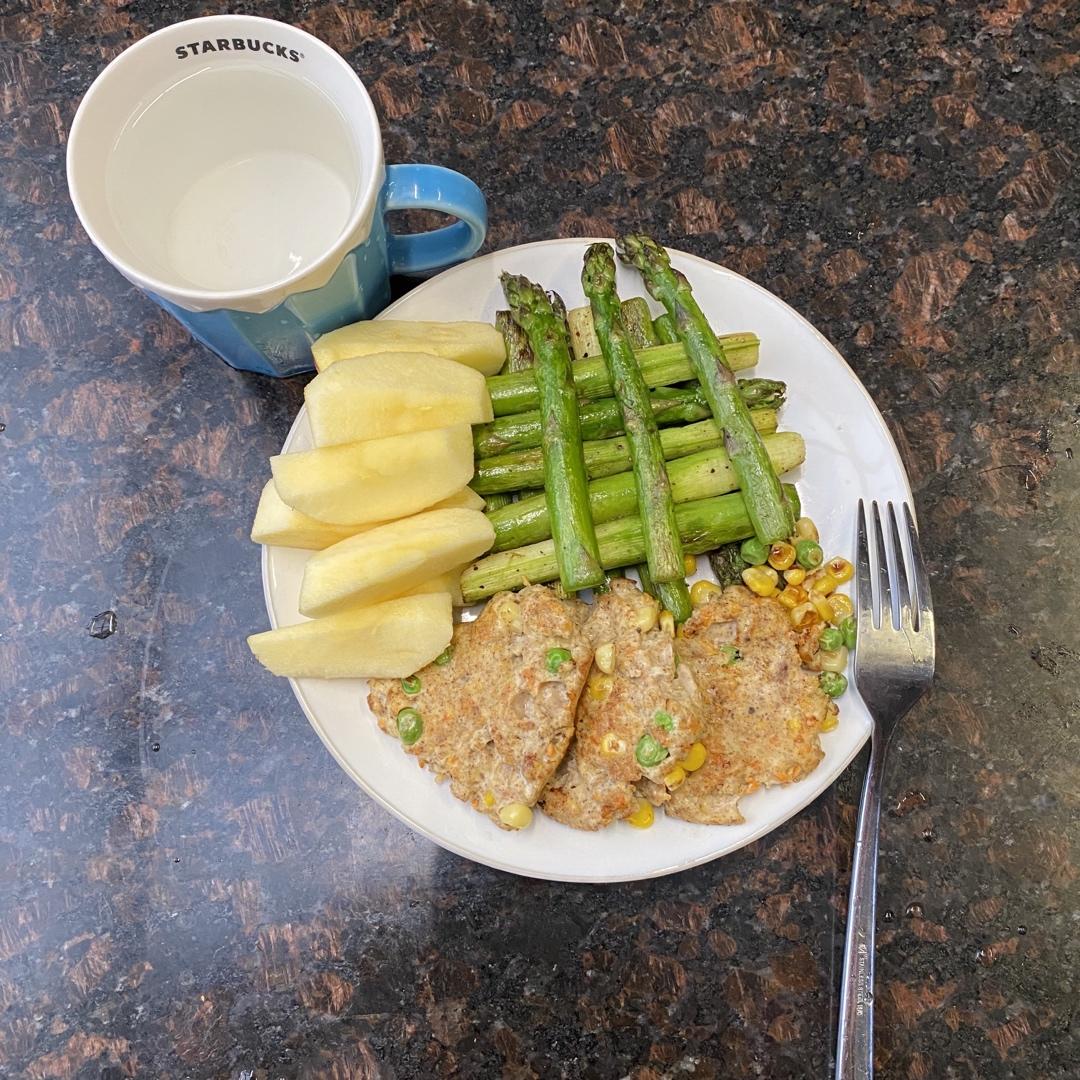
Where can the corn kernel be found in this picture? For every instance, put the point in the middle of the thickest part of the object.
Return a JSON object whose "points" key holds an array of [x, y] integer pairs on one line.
{"points": [[792, 596], [674, 778], [761, 580], [604, 657], [515, 815], [795, 576], [803, 616], [667, 622], [695, 758], [781, 555], [509, 612], [842, 608], [835, 660], [825, 584], [840, 569], [832, 718], [642, 817], [689, 564], [645, 617], [489, 798], [599, 687], [821, 606], [700, 592], [611, 744], [805, 529]]}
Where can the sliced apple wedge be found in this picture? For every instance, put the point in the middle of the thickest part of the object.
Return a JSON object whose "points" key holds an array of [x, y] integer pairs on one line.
{"points": [[476, 344], [450, 582], [279, 524], [376, 480], [465, 499], [392, 559], [371, 397], [388, 640]]}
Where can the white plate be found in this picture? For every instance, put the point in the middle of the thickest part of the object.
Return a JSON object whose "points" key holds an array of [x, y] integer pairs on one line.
{"points": [[849, 455]]}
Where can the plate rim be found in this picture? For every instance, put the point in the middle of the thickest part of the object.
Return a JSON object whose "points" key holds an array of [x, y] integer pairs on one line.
{"points": [[609, 879]]}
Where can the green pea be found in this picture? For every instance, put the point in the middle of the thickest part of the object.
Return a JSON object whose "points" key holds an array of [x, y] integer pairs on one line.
{"points": [[663, 720], [831, 639], [649, 751], [445, 655], [848, 629], [411, 685], [729, 654], [754, 552], [832, 683], [410, 726], [808, 554], [556, 658]]}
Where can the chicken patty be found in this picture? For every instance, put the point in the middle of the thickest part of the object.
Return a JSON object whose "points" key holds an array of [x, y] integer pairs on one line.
{"points": [[764, 709], [649, 698], [497, 717]]}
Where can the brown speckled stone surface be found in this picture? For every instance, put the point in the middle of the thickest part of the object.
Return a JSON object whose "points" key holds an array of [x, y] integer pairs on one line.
{"points": [[189, 887]]}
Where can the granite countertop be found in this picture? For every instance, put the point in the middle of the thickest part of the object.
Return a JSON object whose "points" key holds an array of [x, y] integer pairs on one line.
{"points": [[189, 885]]}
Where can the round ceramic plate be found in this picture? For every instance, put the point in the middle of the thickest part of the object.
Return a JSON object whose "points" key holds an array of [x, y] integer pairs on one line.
{"points": [[849, 455]]}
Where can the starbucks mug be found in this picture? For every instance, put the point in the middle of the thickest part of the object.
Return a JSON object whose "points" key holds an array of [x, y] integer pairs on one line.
{"points": [[231, 167]]}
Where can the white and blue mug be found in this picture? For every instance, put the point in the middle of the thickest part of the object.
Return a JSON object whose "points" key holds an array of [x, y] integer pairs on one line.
{"points": [[232, 168]]}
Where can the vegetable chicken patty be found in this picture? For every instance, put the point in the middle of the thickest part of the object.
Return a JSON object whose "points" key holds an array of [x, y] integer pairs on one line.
{"points": [[640, 714], [495, 713], [764, 709]]}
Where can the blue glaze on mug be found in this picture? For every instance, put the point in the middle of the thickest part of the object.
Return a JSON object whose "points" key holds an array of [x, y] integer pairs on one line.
{"points": [[278, 342]]}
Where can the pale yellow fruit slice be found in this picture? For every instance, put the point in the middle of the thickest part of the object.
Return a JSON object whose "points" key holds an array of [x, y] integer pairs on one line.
{"points": [[279, 524], [476, 344], [393, 393], [392, 559], [465, 499], [388, 640], [376, 480], [450, 582]]}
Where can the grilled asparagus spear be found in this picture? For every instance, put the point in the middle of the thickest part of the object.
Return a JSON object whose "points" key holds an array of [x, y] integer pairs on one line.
{"points": [[565, 482], [703, 526], [772, 517], [603, 418], [661, 365], [663, 550], [697, 476], [525, 468]]}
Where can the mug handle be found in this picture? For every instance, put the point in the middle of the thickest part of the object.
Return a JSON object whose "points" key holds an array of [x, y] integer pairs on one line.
{"points": [[431, 187]]}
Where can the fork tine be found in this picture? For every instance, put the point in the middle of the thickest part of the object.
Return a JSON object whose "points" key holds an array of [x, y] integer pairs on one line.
{"points": [[864, 596], [920, 578], [902, 577], [884, 590]]}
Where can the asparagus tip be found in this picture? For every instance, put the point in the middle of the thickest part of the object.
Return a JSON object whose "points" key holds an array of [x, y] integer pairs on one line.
{"points": [[638, 250], [526, 298], [598, 272]]}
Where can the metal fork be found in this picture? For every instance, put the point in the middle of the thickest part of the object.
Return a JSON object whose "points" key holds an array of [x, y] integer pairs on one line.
{"points": [[894, 666]]}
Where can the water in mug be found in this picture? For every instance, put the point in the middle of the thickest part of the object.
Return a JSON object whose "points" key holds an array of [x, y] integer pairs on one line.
{"points": [[233, 178]]}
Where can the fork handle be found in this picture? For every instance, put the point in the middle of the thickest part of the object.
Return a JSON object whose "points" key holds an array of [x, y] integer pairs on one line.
{"points": [[855, 1038]]}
